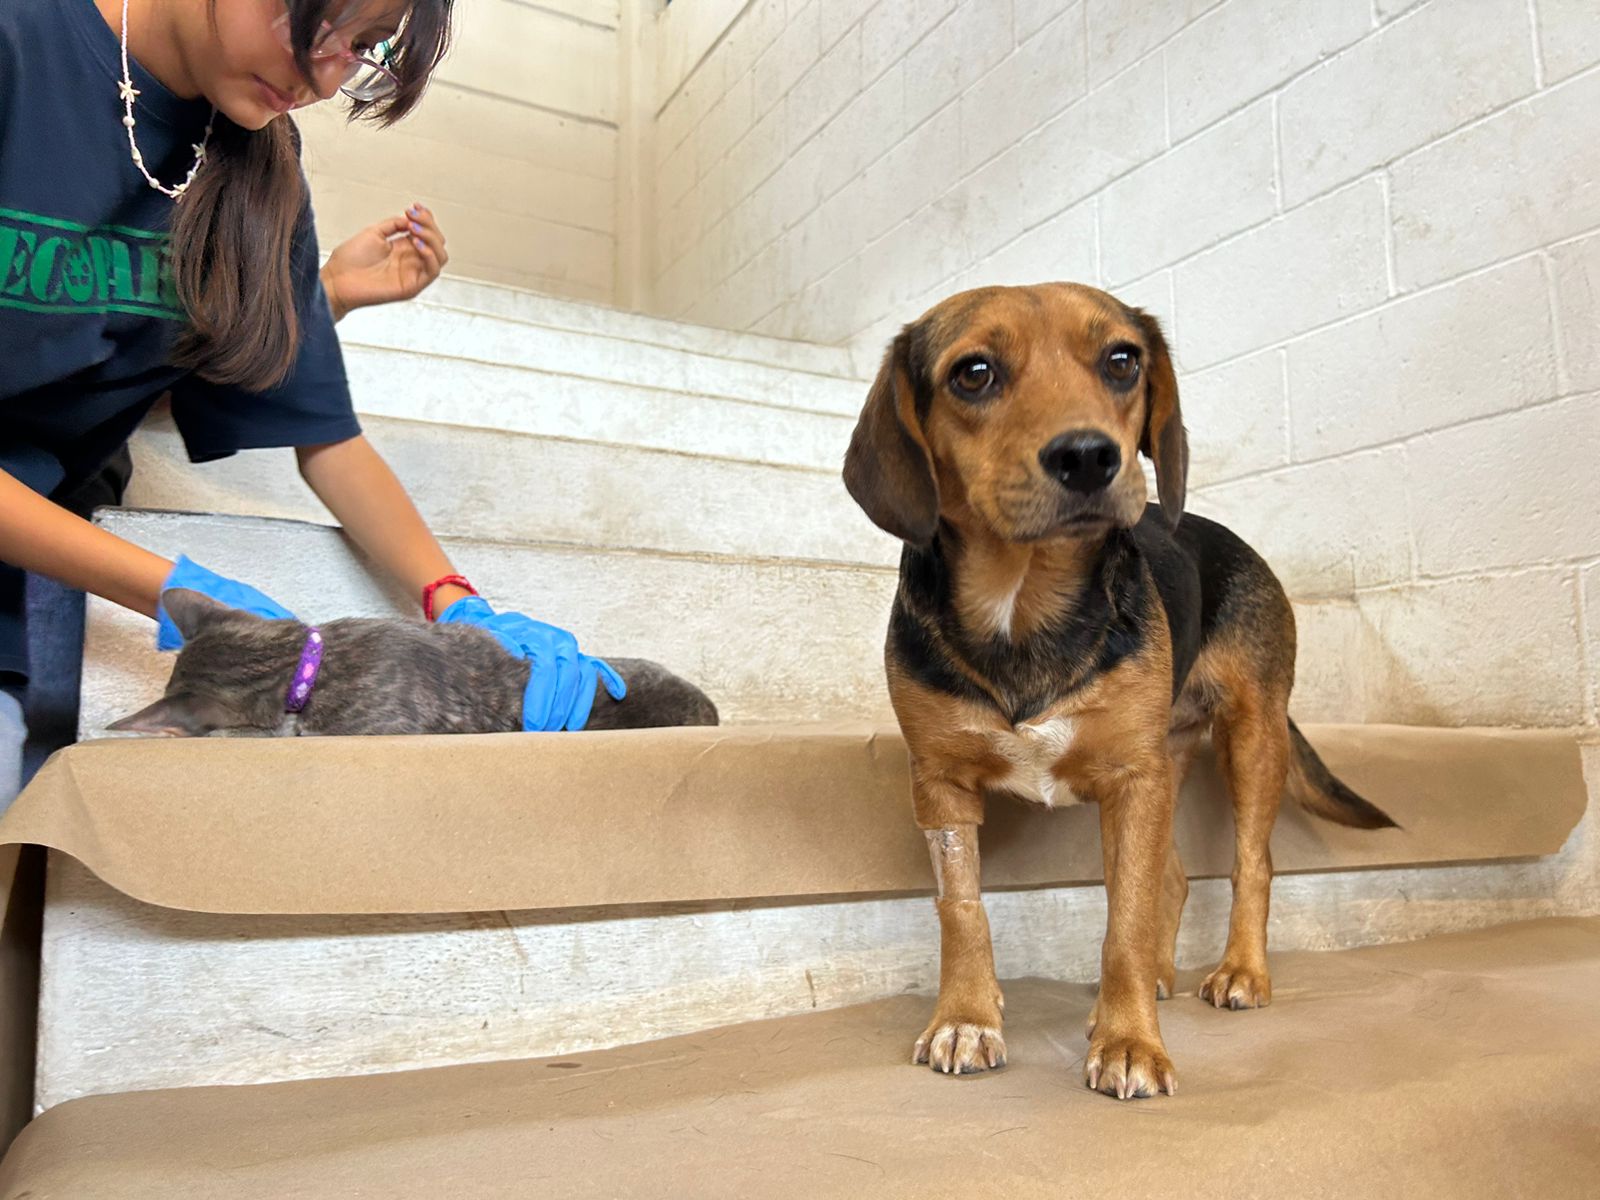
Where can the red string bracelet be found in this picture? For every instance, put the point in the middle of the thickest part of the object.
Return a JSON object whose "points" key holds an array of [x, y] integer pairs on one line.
{"points": [[459, 581]]}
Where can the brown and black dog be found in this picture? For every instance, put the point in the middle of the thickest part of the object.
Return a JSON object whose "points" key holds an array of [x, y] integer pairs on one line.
{"points": [[1055, 638]]}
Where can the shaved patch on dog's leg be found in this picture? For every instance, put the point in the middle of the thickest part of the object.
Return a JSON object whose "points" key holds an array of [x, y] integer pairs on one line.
{"points": [[942, 844], [964, 1035]]}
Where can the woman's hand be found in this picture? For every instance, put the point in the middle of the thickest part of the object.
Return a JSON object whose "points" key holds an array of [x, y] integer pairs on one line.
{"points": [[562, 679], [392, 260], [191, 575], [361, 491]]}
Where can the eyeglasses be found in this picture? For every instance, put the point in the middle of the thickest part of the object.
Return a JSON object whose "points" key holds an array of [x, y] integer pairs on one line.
{"points": [[365, 72]]}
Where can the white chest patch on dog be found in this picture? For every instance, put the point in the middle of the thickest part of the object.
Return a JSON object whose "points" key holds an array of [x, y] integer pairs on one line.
{"points": [[1002, 610], [1033, 751]]}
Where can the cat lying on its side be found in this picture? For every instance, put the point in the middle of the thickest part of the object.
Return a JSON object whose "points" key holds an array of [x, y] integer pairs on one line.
{"points": [[241, 674]]}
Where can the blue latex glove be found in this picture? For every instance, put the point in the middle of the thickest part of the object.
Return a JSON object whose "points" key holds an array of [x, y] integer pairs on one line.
{"points": [[561, 684], [192, 575]]}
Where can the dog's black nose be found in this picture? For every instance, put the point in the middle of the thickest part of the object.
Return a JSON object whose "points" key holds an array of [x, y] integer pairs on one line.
{"points": [[1082, 461]]}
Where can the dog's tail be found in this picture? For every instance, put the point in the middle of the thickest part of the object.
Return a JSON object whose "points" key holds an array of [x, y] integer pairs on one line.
{"points": [[1320, 792]]}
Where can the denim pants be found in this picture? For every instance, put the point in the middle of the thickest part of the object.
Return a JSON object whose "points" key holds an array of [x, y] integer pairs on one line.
{"points": [[13, 735], [41, 716]]}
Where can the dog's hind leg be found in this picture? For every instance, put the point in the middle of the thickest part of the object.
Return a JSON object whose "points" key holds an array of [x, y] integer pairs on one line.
{"points": [[1174, 882], [1174, 891], [1251, 736]]}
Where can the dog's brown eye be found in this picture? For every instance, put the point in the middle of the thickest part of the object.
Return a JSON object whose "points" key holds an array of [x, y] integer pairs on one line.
{"points": [[1121, 366], [974, 378]]}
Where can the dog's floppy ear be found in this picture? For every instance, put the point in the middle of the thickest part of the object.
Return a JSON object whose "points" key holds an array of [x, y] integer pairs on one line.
{"points": [[1164, 441], [889, 468]]}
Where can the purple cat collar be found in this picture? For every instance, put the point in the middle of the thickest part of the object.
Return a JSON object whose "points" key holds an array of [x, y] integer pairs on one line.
{"points": [[305, 675]]}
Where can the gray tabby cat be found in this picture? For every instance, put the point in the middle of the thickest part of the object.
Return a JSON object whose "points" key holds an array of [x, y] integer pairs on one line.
{"points": [[377, 676]]}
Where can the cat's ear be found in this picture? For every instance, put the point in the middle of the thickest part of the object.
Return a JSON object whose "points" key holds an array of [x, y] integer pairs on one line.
{"points": [[181, 715], [193, 611]]}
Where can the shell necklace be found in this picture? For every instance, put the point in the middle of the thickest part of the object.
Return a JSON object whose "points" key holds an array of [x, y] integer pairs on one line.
{"points": [[129, 93]]}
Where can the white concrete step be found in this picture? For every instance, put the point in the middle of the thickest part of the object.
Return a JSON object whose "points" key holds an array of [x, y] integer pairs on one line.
{"points": [[534, 309], [499, 358], [512, 487], [438, 385], [767, 639], [603, 352]]}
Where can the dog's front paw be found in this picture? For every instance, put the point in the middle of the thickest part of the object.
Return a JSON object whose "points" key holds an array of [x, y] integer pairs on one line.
{"points": [[1236, 985], [1129, 1067], [955, 1046]]}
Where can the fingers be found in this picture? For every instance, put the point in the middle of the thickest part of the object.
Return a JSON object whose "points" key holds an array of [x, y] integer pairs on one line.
{"points": [[538, 699], [424, 229], [428, 266], [569, 678], [562, 679], [555, 684], [588, 678], [615, 684], [593, 672]]}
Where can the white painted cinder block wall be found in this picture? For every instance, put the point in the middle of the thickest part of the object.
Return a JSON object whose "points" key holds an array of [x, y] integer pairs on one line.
{"points": [[1371, 226], [515, 146]]}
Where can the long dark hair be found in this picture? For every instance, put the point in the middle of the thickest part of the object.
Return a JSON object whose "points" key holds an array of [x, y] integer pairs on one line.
{"points": [[233, 232]]}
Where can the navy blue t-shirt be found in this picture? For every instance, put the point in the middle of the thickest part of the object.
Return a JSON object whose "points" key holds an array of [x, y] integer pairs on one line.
{"points": [[88, 310]]}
